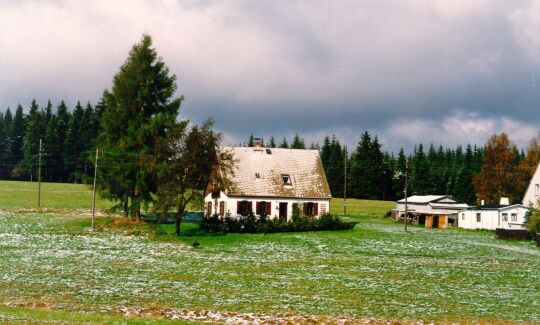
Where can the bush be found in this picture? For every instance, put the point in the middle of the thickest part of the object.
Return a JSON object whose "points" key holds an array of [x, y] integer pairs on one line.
{"points": [[256, 224], [532, 222]]}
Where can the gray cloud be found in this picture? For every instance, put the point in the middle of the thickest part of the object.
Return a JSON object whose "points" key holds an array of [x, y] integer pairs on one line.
{"points": [[409, 70]]}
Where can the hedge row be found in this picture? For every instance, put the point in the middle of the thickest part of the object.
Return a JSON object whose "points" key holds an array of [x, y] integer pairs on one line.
{"points": [[262, 224]]}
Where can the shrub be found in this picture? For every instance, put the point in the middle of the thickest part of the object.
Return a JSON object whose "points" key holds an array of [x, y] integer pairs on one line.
{"points": [[532, 222], [256, 224]]}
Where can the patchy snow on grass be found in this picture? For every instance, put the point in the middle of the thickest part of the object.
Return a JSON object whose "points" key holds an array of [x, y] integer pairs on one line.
{"points": [[372, 272]]}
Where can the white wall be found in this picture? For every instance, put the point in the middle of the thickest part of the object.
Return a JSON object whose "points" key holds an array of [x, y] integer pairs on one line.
{"points": [[489, 219], [231, 204], [492, 219]]}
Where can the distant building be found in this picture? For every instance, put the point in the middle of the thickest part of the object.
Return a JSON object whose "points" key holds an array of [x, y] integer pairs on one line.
{"points": [[495, 216], [532, 195], [269, 181], [432, 211]]}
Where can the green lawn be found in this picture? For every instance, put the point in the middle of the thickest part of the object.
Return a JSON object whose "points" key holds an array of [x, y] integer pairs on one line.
{"points": [[55, 264], [24, 195]]}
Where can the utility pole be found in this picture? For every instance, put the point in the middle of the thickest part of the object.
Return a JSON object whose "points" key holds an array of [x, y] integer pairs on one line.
{"points": [[94, 196], [406, 185], [345, 183], [39, 176]]}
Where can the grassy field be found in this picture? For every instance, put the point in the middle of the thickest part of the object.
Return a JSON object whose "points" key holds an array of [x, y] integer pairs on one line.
{"points": [[23, 195], [52, 267]]}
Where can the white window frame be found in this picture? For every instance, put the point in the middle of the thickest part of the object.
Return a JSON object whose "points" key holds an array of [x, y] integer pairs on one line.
{"points": [[513, 217]]}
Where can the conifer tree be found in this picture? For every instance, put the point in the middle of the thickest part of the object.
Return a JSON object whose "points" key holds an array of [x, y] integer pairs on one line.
{"points": [[284, 144], [62, 124], [139, 109], [420, 168], [16, 138], [298, 142], [251, 141], [272, 142], [33, 133]]}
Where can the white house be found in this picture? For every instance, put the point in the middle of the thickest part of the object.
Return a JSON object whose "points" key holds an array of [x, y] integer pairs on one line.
{"points": [[269, 181], [532, 195], [493, 217], [429, 210]]}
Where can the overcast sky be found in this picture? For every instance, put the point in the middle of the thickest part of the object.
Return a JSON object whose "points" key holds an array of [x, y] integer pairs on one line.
{"points": [[450, 72]]}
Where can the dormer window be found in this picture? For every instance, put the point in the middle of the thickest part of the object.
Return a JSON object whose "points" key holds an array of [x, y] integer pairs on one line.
{"points": [[268, 151], [257, 175], [286, 179]]}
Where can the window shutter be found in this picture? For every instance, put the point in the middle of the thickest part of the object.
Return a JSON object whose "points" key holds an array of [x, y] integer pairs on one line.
{"points": [[221, 208], [268, 208], [238, 207], [304, 207], [315, 209], [209, 209], [250, 206], [258, 207]]}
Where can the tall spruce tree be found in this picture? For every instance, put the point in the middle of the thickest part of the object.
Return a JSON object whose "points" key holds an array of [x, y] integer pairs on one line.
{"points": [[74, 145], [284, 144], [62, 124], [140, 108], [298, 142], [420, 168], [33, 133]]}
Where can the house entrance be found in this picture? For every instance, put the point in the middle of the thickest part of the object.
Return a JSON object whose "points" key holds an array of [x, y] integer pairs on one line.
{"points": [[283, 211]]}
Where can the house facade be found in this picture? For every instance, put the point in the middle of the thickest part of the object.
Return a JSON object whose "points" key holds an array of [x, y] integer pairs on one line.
{"points": [[432, 211], [532, 195], [493, 217], [270, 181]]}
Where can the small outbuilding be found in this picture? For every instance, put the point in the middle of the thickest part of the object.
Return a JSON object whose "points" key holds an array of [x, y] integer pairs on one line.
{"points": [[495, 216], [432, 211]]}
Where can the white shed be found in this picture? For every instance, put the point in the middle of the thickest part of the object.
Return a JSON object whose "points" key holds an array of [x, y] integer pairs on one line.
{"points": [[269, 181], [492, 217], [429, 210]]}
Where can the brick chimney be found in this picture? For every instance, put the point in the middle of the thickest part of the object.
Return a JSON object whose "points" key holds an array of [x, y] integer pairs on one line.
{"points": [[257, 143]]}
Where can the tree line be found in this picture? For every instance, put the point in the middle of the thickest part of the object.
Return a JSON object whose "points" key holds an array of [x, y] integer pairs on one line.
{"points": [[469, 174], [68, 139]]}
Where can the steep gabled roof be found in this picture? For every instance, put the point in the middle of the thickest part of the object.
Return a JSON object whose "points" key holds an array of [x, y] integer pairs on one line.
{"points": [[260, 171], [529, 198]]}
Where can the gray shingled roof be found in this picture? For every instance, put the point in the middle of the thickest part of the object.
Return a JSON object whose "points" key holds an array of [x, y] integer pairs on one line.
{"points": [[303, 166]]}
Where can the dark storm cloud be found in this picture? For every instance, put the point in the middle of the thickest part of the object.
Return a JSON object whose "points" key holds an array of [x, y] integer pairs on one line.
{"points": [[448, 71]]}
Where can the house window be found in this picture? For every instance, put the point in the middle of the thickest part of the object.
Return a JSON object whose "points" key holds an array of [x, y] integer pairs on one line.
{"points": [[505, 217], [310, 209], [286, 179], [463, 216], [222, 208], [243, 208], [478, 217], [257, 175], [536, 189], [263, 208], [268, 151], [209, 209], [514, 217]]}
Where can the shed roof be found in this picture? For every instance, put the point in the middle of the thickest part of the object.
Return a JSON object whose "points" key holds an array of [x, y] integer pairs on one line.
{"points": [[425, 199], [259, 172]]}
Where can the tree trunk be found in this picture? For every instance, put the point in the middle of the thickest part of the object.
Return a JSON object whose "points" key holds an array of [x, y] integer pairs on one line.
{"points": [[179, 214], [125, 208]]}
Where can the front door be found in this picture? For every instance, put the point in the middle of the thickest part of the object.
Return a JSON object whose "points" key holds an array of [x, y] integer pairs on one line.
{"points": [[283, 211]]}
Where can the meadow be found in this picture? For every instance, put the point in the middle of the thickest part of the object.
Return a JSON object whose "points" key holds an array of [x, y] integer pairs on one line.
{"points": [[54, 268]]}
